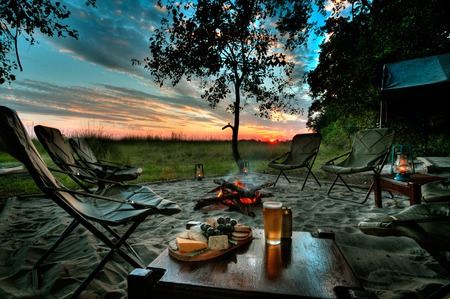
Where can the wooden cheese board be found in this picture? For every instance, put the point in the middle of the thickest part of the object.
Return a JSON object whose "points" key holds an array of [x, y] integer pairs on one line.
{"points": [[207, 254]]}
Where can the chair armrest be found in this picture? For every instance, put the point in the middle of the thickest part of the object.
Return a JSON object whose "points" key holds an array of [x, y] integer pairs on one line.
{"points": [[332, 160], [85, 176], [412, 221], [74, 165], [136, 205], [383, 156], [107, 166], [124, 165], [274, 160]]}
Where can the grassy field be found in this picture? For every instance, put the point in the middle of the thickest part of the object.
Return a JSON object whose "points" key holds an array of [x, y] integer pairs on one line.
{"points": [[164, 160]]}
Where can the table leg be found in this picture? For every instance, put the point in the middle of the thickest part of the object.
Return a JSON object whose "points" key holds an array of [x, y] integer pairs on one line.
{"points": [[415, 194], [377, 191]]}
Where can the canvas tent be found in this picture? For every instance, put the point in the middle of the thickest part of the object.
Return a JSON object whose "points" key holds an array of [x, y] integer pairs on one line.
{"points": [[419, 86]]}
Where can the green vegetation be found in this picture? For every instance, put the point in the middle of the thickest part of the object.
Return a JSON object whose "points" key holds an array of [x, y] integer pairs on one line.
{"points": [[165, 159], [345, 85]]}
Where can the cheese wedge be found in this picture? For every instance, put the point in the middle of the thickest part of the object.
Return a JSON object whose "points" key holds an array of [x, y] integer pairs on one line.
{"points": [[218, 242], [187, 245]]}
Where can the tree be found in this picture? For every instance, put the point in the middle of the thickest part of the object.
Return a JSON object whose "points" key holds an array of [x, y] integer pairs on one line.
{"points": [[22, 18], [226, 44], [347, 80]]}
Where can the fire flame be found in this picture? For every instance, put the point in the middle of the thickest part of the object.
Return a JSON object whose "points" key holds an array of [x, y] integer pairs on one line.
{"points": [[242, 199]]}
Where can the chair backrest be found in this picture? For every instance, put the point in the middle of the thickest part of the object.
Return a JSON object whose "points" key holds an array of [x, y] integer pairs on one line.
{"points": [[21, 147], [369, 145], [303, 147], [84, 153], [53, 142]]}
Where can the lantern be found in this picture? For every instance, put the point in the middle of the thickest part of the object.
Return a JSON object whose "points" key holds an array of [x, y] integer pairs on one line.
{"points": [[402, 162], [199, 174], [246, 168]]}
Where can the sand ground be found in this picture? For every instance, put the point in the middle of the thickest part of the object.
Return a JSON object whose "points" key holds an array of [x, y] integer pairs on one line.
{"points": [[390, 267]]}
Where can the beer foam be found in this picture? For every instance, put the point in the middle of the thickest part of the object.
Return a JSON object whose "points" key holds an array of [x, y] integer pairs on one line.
{"points": [[272, 205]]}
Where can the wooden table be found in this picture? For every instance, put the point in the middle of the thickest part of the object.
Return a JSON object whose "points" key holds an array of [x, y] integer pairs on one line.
{"points": [[409, 188], [301, 267]]}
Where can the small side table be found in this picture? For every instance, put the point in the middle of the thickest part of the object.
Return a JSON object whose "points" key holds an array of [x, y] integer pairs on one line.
{"points": [[409, 188]]}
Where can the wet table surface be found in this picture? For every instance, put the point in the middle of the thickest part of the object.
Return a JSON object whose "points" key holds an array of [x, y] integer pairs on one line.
{"points": [[304, 266]]}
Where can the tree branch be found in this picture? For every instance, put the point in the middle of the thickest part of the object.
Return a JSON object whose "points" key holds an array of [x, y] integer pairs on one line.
{"points": [[228, 126]]}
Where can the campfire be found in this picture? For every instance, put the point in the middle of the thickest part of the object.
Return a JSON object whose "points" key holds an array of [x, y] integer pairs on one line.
{"points": [[237, 196]]}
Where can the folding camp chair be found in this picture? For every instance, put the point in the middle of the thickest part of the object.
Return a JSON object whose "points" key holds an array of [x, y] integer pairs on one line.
{"points": [[53, 141], [369, 152], [112, 206], [303, 153], [113, 171], [428, 224]]}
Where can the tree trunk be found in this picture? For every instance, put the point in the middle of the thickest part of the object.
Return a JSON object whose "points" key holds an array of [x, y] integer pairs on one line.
{"points": [[234, 143]]}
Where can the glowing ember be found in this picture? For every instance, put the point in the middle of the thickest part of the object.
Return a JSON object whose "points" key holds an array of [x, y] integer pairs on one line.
{"points": [[244, 200]]}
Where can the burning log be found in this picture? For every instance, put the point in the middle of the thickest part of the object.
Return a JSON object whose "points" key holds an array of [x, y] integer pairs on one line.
{"points": [[235, 195], [246, 193], [223, 199]]}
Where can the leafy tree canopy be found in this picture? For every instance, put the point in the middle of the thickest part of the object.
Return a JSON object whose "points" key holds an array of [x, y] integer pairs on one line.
{"points": [[23, 18], [362, 37], [231, 49]]}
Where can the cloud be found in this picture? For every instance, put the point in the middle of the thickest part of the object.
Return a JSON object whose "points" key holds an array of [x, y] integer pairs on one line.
{"points": [[109, 37]]}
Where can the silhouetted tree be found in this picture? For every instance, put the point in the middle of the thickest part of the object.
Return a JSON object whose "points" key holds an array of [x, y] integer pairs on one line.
{"points": [[230, 47], [22, 18]]}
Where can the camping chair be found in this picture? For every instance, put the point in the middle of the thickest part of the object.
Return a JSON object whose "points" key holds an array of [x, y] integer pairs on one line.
{"points": [[114, 171], [53, 141], [428, 224], [303, 153], [436, 191], [112, 206], [369, 152]]}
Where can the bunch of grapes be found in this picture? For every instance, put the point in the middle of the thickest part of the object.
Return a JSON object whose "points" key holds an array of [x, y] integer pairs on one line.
{"points": [[225, 226]]}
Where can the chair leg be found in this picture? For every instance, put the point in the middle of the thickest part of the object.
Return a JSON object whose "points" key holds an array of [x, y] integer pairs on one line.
{"points": [[277, 179], [349, 200], [103, 262], [117, 236], [66, 232], [285, 176], [307, 175], [444, 291], [281, 172]]}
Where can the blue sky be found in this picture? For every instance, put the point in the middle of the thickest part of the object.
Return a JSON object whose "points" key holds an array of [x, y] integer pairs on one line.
{"points": [[90, 83]]}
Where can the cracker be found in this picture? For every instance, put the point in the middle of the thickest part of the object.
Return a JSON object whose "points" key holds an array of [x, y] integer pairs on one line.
{"points": [[241, 228], [196, 236], [239, 234], [212, 222], [184, 235], [239, 239]]}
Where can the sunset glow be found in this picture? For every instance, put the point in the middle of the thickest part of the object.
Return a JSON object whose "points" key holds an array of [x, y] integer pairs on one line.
{"points": [[89, 84]]}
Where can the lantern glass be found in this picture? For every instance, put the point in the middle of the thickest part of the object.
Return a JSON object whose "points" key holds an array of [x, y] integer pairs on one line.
{"points": [[199, 174], [402, 162], [246, 168]]}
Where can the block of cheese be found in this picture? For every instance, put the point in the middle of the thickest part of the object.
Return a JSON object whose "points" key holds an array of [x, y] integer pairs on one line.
{"points": [[218, 242], [187, 245]]}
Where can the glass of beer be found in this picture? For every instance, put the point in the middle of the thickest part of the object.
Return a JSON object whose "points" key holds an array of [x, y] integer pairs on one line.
{"points": [[273, 216]]}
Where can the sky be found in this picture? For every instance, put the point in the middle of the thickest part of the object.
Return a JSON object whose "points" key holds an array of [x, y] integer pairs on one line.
{"points": [[90, 84]]}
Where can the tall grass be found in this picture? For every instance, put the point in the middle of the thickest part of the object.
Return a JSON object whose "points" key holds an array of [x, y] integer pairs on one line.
{"points": [[165, 158]]}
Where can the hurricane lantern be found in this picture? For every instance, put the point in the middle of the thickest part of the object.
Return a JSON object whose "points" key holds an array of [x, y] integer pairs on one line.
{"points": [[246, 168], [199, 174], [402, 164]]}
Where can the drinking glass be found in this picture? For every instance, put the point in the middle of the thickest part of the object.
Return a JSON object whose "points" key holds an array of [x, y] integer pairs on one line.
{"points": [[273, 216]]}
